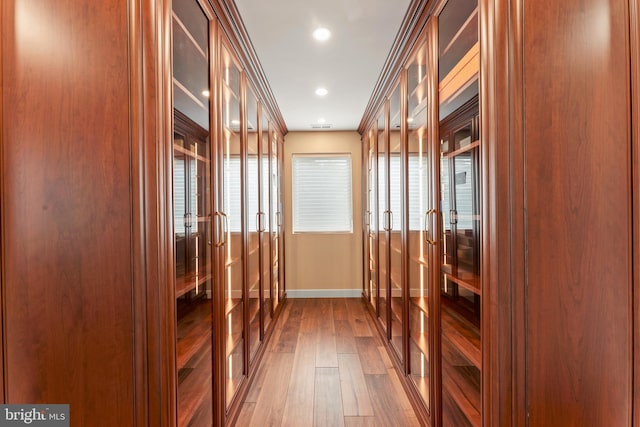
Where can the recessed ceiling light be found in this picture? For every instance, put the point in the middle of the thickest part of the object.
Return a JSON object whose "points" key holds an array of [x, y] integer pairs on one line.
{"points": [[235, 122], [321, 91], [410, 119], [321, 121], [321, 34], [205, 93]]}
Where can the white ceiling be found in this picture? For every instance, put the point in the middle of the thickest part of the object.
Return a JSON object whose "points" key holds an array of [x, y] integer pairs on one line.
{"points": [[347, 65]]}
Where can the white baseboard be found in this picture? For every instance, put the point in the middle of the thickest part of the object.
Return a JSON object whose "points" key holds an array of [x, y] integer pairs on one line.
{"points": [[324, 293]]}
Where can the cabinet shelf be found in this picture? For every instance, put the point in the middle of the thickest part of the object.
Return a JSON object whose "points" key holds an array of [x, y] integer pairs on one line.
{"points": [[463, 386], [189, 36], [228, 90], [396, 308], [421, 340], [231, 305], [233, 261], [468, 30], [191, 95], [233, 341], [191, 154], [422, 303], [464, 73], [462, 335], [468, 280], [188, 283], [420, 260], [464, 149]]}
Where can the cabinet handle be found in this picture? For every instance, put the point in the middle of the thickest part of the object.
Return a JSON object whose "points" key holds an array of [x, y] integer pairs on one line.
{"points": [[222, 228], [453, 216], [260, 221], [387, 220], [428, 233], [367, 218], [390, 221], [279, 219]]}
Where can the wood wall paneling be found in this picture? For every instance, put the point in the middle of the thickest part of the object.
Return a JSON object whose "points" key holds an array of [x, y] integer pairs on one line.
{"points": [[2, 268], [67, 217], [578, 225], [634, 14]]}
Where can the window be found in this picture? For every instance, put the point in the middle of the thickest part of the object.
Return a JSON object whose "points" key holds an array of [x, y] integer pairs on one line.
{"points": [[322, 193]]}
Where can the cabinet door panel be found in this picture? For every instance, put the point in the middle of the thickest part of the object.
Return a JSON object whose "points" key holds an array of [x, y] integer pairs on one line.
{"points": [[192, 204], [383, 223], [577, 194], [420, 214], [233, 223], [253, 223]]}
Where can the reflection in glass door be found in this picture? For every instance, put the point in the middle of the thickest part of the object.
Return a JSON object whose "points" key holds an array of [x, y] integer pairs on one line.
{"points": [[192, 202], [458, 55], [265, 212], [254, 223], [371, 261], [420, 214], [232, 215], [383, 222], [396, 223], [275, 219]]}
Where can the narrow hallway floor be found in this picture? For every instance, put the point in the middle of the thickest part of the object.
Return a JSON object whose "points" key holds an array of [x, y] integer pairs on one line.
{"points": [[326, 366]]}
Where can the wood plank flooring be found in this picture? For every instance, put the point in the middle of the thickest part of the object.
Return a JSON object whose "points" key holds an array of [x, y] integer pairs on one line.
{"points": [[326, 366]]}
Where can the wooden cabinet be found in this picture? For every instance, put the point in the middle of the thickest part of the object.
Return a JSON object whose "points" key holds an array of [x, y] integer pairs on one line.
{"points": [[429, 303], [510, 282], [227, 216]]}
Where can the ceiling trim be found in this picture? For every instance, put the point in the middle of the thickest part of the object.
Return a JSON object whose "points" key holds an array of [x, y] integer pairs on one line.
{"points": [[232, 24], [413, 23]]}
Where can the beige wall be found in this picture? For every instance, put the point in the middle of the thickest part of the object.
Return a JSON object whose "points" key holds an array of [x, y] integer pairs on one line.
{"points": [[324, 264]]}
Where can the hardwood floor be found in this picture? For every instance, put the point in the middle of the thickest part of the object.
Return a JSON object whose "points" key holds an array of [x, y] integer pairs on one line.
{"points": [[326, 366]]}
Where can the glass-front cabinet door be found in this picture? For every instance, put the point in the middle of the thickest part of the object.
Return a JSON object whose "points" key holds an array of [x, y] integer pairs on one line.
{"points": [[276, 218], [230, 192], [396, 221], [254, 222], [192, 219], [265, 222], [460, 290], [383, 221], [421, 216], [371, 203]]}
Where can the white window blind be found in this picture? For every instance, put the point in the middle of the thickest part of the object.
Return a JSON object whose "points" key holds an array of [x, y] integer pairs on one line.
{"points": [[322, 199]]}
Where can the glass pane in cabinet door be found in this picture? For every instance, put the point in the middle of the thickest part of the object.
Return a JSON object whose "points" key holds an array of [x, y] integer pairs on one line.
{"points": [[265, 236], [280, 154], [275, 219], [192, 205], [460, 196], [383, 224], [395, 207], [232, 208], [420, 216], [372, 191], [254, 223]]}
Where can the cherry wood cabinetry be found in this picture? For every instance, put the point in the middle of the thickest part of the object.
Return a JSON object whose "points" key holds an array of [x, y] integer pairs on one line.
{"points": [[518, 199], [137, 212]]}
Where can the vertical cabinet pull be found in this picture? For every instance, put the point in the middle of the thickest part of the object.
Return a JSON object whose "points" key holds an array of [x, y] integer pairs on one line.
{"points": [[222, 225], [387, 220], [428, 235], [260, 216]]}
